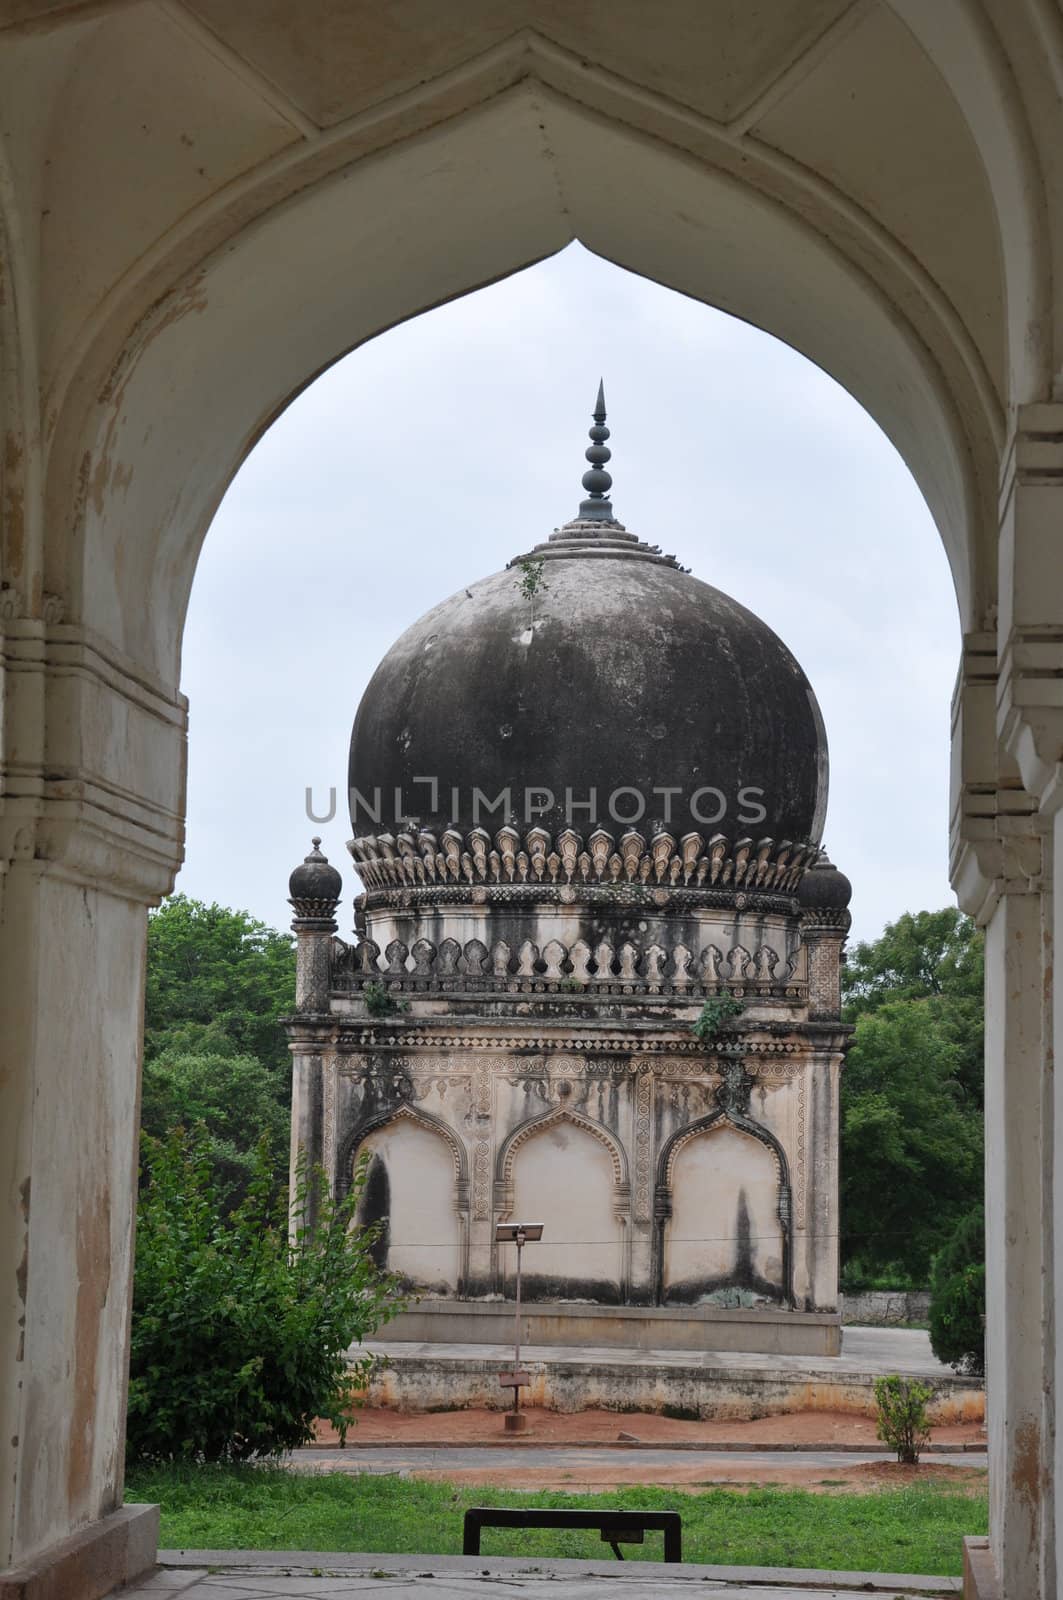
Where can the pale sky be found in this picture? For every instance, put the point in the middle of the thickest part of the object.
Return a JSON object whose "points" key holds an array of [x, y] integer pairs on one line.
{"points": [[432, 455]]}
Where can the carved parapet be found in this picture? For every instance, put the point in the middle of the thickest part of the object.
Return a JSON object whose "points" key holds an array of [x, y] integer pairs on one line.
{"points": [[430, 865], [615, 968]]}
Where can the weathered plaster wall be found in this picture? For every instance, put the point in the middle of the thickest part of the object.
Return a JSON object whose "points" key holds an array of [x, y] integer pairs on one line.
{"points": [[563, 1177], [724, 1240], [69, 1080], [410, 1192]]}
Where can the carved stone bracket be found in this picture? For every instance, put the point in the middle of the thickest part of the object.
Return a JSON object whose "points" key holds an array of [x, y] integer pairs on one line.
{"points": [[1029, 690], [421, 860], [995, 831]]}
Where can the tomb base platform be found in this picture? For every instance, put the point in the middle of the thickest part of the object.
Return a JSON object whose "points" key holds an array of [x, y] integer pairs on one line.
{"points": [[644, 1328], [710, 1382]]}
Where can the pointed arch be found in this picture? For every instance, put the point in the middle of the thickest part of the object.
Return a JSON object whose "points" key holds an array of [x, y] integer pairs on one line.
{"points": [[348, 1150], [527, 1130], [585, 1254], [663, 1197]]}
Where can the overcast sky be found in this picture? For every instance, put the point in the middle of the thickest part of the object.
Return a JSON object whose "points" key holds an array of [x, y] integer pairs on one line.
{"points": [[430, 456]]}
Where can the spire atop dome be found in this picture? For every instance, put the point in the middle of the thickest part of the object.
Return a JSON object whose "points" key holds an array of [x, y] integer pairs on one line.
{"points": [[597, 482], [594, 530]]}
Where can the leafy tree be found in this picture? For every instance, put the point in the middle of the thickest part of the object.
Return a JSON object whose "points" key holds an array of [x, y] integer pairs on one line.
{"points": [[214, 1050], [933, 956], [234, 1099], [957, 1297], [912, 1095], [240, 1332], [213, 975]]}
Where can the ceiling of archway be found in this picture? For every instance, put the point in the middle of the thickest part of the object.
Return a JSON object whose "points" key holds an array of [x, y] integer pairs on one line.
{"points": [[333, 59], [143, 136], [143, 111]]}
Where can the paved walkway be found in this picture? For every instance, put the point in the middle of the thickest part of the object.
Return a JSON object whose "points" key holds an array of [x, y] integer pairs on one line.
{"points": [[649, 1462], [250, 1575], [865, 1351]]}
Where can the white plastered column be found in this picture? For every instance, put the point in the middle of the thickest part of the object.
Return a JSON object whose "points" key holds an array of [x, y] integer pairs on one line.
{"points": [[1007, 865], [90, 836]]}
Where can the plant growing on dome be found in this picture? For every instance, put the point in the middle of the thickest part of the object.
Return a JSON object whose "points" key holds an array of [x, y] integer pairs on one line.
{"points": [[532, 582], [714, 1013]]}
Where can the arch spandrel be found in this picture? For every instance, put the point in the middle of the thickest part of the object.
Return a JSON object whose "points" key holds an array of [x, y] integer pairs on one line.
{"points": [[317, 275]]}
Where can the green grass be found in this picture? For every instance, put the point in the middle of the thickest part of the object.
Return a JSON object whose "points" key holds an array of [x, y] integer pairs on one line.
{"points": [[917, 1529]]}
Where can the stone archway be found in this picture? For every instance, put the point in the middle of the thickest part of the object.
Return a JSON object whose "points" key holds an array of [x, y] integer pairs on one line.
{"points": [[174, 302]]}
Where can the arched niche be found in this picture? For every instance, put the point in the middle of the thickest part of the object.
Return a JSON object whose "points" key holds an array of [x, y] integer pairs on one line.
{"points": [[724, 1242], [412, 1191], [567, 1173]]}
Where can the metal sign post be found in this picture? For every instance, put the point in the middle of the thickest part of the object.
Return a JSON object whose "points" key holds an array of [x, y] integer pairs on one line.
{"points": [[520, 1234]]}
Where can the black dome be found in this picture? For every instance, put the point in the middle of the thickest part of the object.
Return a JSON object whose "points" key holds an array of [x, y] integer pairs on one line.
{"points": [[314, 882], [624, 673], [824, 888]]}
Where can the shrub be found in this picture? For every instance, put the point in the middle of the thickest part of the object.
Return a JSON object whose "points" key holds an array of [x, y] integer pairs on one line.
{"points": [[240, 1327], [902, 1421], [957, 1297], [713, 1014], [380, 1002]]}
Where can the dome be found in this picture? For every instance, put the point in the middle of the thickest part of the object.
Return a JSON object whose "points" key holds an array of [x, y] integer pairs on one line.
{"points": [[824, 888], [592, 682], [315, 886]]}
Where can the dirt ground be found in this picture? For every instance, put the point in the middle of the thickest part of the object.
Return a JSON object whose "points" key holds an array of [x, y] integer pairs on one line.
{"points": [[685, 1469], [827, 1430]]}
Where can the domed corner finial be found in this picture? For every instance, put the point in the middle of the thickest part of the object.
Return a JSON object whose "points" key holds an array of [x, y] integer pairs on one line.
{"points": [[823, 887], [314, 888], [597, 482]]}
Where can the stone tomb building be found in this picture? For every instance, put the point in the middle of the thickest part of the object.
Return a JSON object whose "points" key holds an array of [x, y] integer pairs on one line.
{"points": [[595, 982]]}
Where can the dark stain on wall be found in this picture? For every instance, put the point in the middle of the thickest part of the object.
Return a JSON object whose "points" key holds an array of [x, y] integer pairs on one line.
{"points": [[376, 1208]]}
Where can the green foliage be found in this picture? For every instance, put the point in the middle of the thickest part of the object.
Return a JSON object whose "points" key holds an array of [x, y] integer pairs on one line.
{"points": [[380, 1002], [916, 1529], [236, 1101], [217, 976], [902, 1423], [240, 1331], [933, 956], [911, 1097], [532, 579], [957, 1296], [714, 1013], [214, 1050]]}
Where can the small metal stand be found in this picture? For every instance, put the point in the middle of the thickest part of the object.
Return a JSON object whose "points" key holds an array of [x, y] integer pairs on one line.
{"points": [[518, 1233]]}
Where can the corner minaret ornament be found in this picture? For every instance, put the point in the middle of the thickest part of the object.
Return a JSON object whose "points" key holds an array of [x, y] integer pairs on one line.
{"points": [[597, 482]]}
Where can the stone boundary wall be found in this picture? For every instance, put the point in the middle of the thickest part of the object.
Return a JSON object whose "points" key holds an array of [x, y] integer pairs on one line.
{"points": [[675, 1388], [897, 1308]]}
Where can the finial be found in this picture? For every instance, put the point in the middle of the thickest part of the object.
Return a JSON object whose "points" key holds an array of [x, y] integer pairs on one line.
{"points": [[597, 482]]}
